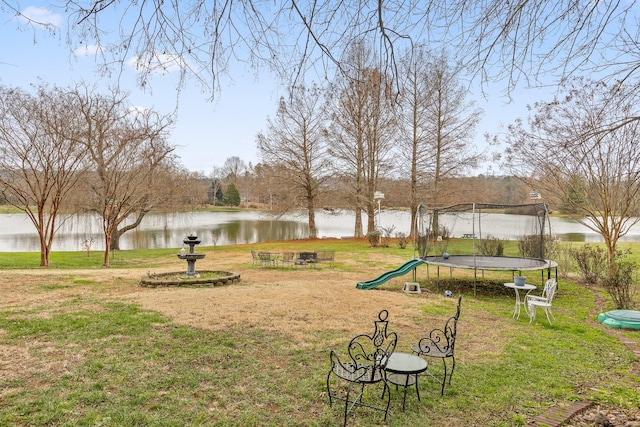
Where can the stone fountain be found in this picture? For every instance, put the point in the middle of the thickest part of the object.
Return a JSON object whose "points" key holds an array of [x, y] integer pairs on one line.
{"points": [[191, 257], [208, 277]]}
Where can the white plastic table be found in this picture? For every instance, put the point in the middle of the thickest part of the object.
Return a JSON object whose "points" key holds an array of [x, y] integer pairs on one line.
{"points": [[520, 302]]}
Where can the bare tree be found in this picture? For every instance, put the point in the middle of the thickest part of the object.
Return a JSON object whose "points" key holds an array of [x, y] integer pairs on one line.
{"points": [[452, 121], [216, 185], [40, 160], [128, 149], [202, 38], [247, 183], [516, 40], [268, 189], [415, 127], [572, 150], [528, 40], [234, 167], [438, 126], [295, 141], [168, 187], [362, 131]]}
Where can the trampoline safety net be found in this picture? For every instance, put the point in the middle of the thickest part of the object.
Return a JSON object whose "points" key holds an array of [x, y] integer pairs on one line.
{"points": [[482, 230]]}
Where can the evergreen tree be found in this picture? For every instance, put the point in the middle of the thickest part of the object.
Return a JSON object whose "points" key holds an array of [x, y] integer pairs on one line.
{"points": [[232, 196]]}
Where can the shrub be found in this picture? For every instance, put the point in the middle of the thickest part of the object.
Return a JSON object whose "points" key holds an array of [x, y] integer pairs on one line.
{"points": [[373, 237], [620, 281], [386, 236], [443, 232], [491, 246], [562, 254], [533, 246], [402, 240], [591, 262]]}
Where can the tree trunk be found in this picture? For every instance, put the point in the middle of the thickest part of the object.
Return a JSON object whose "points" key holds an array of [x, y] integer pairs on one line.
{"points": [[44, 253], [435, 227], [414, 214], [371, 220], [115, 240], [313, 231], [117, 233], [107, 248], [357, 232], [611, 254]]}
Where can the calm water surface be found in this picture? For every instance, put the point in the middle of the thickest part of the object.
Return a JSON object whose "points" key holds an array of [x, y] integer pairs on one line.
{"points": [[222, 228]]}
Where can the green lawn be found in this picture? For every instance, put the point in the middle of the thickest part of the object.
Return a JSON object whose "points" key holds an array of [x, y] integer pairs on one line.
{"points": [[133, 367]]}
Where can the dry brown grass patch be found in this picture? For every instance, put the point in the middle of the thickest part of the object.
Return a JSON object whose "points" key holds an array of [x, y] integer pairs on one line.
{"points": [[300, 303]]}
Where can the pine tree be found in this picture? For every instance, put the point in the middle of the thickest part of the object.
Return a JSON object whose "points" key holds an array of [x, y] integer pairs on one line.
{"points": [[232, 196]]}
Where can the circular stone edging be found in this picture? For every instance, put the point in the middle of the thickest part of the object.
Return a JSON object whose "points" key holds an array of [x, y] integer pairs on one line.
{"points": [[162, 279]]}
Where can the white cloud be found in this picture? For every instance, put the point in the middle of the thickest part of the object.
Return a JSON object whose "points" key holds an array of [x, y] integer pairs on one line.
{"points": [[157, 63], [40, 16], [138, 110], [88, 50]]}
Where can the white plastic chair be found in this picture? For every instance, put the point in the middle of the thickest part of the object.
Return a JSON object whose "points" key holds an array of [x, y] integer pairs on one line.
{"points": [[544, 301]]}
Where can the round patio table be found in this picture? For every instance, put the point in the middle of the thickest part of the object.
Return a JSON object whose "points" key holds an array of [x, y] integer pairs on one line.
{"points": [[403, 369], [520, 302]]}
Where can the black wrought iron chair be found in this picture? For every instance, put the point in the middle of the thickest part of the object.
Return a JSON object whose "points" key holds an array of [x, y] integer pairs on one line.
{"points": [[255, 258], [287, 259], [368, 357], [326, 256], [440, 343], [267, 259]]}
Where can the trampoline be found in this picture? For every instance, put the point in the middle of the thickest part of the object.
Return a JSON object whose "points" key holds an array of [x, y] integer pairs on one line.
{"points": [[494, 263], [435, 228]]}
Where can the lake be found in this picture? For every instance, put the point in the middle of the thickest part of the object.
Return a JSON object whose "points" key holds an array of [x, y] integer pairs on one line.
{"points": [[162, 230]]}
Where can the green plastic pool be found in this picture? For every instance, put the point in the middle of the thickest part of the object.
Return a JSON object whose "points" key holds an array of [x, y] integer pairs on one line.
{"points": [[620, 319]]}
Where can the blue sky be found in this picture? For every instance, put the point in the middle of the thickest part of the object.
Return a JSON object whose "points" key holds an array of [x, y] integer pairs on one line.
{"points": [[206, 132]]}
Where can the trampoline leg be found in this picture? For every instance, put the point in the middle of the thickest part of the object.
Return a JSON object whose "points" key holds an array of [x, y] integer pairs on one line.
{"points": [[475, 273]]}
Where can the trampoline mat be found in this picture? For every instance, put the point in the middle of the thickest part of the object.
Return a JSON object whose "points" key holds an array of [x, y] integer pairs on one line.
{"points": [[490, 262]]}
